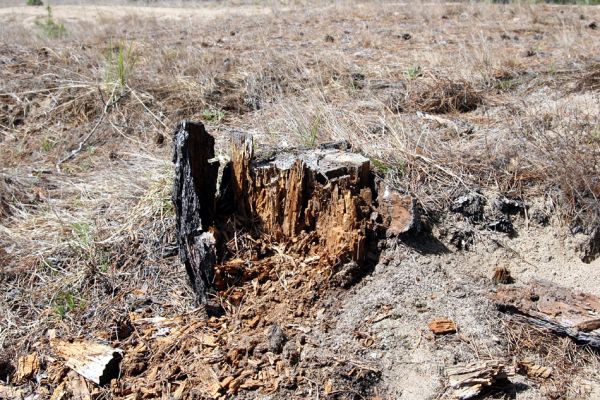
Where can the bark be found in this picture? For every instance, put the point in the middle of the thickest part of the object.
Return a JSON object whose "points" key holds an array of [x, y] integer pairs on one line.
{"points": [[94, 361], [194, 191]]}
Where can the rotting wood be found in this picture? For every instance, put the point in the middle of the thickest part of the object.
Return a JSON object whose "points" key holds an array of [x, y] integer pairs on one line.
{"points": [[27, 367], [471, 380], [561, 310], [442, 326], [94, 361], [323, 202], [533, 370]]}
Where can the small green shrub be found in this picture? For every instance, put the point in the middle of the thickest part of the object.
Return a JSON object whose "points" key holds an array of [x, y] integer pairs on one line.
{"points": [[48, 143], [51, 28], [35, 3], [310, 135], [212, 115], [414, 72], [120, 63], [64, 303], [381, 166]]}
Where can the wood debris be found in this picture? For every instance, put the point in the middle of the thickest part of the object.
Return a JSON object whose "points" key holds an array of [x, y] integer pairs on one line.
{"points": [[533, 370], [471, 380], [561, 310], [96, 362], [11, 392], [502, 276], [442, 326], [27, 367]]}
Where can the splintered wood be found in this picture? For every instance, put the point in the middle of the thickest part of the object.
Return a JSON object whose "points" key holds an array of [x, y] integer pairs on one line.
{"points": [[323, 202], [558, 309], [469, 381], [324, 191], [27, 367]]}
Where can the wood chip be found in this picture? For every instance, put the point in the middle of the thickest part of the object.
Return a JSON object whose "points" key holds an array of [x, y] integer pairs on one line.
{"points": [[60, 392], [94, 361], [442, 326], [27, 367], [533, 370]]}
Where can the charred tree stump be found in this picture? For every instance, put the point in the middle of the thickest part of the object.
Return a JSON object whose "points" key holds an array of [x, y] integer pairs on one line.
{"points": [[194, 190], [324, 200]]}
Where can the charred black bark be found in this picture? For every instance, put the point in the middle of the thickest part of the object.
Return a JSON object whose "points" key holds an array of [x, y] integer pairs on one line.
{"points": [[194, 192]]}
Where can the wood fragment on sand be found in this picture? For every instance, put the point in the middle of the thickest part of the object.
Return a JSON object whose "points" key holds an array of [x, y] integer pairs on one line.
{"points": [[470, 380], [442, 326], [562, 311], [533, 370]]}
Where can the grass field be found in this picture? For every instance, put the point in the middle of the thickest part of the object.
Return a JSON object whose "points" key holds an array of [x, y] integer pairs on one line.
{"points": [[444, 98]]}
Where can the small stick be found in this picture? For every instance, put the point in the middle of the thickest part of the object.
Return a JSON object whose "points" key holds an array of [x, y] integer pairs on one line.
{"points": [[80, 147]]}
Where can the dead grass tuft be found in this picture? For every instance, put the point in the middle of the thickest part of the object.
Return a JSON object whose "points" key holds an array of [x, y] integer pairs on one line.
{"points": [[442, 96], [590, 80], [561, 355]]}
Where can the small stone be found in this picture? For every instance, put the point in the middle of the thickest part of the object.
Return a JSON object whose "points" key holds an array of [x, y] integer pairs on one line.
{"points": [[291, 354], [277, 339]]}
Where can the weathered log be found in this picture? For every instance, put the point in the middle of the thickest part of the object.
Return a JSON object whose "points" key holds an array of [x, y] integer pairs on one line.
{"points": [[325, 197], [561, 310]]}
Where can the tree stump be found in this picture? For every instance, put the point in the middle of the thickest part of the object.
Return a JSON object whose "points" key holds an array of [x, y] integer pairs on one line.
{"points": [[326, 197]]}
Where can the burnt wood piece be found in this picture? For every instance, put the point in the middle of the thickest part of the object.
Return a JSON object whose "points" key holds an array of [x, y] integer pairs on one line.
{"points": [[590, 250], [561, 310], [194, 190]]}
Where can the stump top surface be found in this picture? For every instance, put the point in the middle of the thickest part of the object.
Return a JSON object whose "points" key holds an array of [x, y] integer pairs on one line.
{"points": [[322, 160]]}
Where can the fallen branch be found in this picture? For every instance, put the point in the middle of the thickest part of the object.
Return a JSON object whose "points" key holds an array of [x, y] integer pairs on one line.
{"points": [[558, 309]]}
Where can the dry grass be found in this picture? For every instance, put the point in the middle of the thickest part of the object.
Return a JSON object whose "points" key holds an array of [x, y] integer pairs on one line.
{"points": [[565, 358], [79, 246], [442, 96]]}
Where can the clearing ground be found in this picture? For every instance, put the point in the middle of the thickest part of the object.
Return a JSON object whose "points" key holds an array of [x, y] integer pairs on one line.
{"points": [[487, 114]]}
